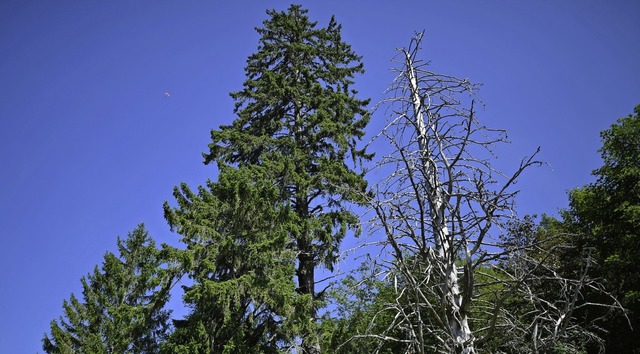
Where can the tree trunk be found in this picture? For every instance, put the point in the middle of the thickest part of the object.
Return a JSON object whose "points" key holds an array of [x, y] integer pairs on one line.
{"points": [[455, 313]]}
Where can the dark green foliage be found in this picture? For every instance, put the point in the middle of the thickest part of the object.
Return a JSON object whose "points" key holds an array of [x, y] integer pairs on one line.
{"points": [[121, 308], [282, 213], [298, 117], [606, 215], [243, 296]]}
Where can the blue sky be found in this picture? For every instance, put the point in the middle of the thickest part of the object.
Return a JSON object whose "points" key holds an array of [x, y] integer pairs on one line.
{"points": [[90, 145]]}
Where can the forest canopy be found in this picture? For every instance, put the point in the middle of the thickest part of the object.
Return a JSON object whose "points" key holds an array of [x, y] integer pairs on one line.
{"points": [[452, 267]]}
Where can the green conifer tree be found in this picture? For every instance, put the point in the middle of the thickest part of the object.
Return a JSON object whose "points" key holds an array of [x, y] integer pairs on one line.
{"points": [[298, 123], [122, 305], [243, 295]]}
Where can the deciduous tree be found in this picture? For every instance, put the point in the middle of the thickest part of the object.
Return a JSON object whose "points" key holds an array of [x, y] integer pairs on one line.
{"points": [[606, 217]]}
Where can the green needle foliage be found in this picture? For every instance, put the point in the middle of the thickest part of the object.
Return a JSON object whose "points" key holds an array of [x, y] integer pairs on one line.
{"points": [[121, 308], [287, 167], [243, 296], [298, 117]]}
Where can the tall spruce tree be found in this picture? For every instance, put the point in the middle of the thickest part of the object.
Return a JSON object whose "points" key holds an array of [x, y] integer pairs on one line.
{"points": [[122, 305], [298, 123]]}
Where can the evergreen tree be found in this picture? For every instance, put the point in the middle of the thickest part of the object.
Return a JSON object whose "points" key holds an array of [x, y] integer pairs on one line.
{"points": [[243, 295], [121, 309], [298, 123]]}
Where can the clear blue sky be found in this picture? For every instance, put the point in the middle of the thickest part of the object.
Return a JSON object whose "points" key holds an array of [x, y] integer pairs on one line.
{"points": [[90, 145]]}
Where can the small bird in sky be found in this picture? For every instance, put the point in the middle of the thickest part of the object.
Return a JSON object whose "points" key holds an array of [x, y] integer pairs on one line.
{"points": [[167, 94]]}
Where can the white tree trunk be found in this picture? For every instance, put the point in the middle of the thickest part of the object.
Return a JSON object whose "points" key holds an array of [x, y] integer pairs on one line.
{"points": [[445, 256]]}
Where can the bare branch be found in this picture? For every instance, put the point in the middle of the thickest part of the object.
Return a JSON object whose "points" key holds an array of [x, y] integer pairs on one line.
{"points": [[443, 209]]}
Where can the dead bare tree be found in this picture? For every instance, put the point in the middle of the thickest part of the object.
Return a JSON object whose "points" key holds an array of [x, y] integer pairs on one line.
{"points": [[441, 208]]}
